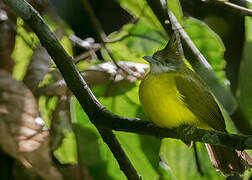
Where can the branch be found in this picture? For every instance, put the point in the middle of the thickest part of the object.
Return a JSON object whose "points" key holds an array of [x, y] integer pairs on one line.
{"points": [[185, 133], [101, 117], [243, 11]]}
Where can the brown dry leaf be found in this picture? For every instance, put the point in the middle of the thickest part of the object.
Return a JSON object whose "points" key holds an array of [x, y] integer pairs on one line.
{"points": [[98, 75], [21, 131], [37, 69], [7, 37]]}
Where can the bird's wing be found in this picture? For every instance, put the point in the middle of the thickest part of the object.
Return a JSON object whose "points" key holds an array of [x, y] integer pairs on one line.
{"points": [[199, 100]]}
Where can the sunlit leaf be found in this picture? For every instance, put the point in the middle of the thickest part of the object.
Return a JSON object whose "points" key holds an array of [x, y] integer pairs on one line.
{"points": [[140, 9], [175, 7], [67, 152], [141, 41], [244, 91], [180, 158], [90, 153], [22, 51], [103, 158], [209, 44]]}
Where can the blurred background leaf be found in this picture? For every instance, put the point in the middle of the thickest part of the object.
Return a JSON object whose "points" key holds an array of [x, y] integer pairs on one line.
{"points": [[209, 44], [140, 9], [79, 147], [181, 160], [244, 92]]}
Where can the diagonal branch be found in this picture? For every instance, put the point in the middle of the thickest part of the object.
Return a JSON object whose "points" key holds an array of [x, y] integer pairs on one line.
{"points": [[243, 11]]}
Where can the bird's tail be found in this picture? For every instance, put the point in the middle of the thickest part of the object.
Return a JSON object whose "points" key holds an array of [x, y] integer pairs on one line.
{"points": [[228, 160]]}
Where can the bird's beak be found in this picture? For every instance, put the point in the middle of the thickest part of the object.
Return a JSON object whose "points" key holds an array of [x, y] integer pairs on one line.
{"points": [[149, 58]]}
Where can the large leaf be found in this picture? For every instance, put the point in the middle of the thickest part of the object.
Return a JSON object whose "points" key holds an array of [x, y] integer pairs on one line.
{"points": [[175, 7], [180, 158], [22, 51], [67, 152], [209, 44], [92, 153], [244, 92], [140, 9], [142, 41], [101, 157], [27, 41]]}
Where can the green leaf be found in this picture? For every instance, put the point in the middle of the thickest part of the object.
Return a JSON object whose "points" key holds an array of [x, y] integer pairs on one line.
{"points": [[175, 7], [142, 41], [180, 159], [26, 41], [140, 9], [67, 152], [89, 151], [92, 151], [22, 51], [209, 44], [244, 92]]}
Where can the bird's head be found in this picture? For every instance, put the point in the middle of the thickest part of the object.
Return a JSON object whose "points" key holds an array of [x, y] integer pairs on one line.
{"points": [[169, 59]]}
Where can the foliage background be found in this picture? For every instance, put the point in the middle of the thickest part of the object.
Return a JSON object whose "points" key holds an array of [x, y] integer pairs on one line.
{"points": [[76, 148]]}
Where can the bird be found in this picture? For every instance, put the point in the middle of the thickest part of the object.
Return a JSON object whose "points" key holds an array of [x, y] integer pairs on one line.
{"points": [[173, 95]]}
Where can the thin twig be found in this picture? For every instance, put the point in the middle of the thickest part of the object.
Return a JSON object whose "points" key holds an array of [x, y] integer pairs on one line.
{"points": [[118, 39], [87, 44], [243, 11], [134, 35], [95, 22], [123, 68], [84, 56], [133, 21], [102, 36]]}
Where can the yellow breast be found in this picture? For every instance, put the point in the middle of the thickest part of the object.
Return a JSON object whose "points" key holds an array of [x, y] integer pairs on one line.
{"points": [[163, 103]]}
